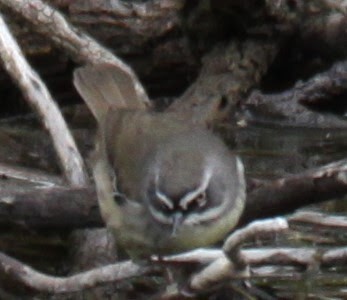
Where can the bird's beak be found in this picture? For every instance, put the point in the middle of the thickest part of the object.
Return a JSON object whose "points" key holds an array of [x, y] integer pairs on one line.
{"points": [[177, 219]]}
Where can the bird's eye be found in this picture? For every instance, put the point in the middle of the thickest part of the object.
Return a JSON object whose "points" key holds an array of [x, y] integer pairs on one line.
{"points": [[164, 207], [200, 199], [119, 198], [197, 202], [163, 203]]}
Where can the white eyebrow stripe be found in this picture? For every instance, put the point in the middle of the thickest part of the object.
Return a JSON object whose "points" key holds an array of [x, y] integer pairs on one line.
{"points": [[164, 199], [212, 213], [239, 167], [160, 196], [191, 195], [217, 212]]}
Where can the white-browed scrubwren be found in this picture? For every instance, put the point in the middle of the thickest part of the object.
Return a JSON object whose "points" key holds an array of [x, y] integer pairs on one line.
{"points": [[177, 187]]}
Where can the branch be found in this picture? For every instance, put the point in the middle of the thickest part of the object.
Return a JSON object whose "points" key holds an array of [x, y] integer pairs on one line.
{"points": [[284, 195], [49, 208], [319, 219], [39, 97], [78, 207], [257, 229], [218, 266], [221, 265], [227, 73], [80, 46], [34, 176], [290, 107], [15, 271], [233, 263]]}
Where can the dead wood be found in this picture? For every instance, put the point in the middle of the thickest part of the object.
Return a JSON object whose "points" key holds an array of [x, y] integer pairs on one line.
{"points": [[230, 45], [292, 107]]}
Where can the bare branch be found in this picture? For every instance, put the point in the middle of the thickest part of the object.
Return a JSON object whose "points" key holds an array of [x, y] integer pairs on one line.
{"points": [[227, 73], [18, 272], [42, 207], [30, 175], [234, 264], [39, 97], [233, 243], [269, 199], [261, 256], [290, 107], [289, 193], [224, 265], [80, 46], [320, 219]]}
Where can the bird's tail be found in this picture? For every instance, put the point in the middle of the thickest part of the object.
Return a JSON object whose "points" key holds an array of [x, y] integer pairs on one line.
{"points": [[106, 86]]}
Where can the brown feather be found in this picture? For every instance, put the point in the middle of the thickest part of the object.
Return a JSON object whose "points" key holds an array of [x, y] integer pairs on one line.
{"points": [[106, 86]]}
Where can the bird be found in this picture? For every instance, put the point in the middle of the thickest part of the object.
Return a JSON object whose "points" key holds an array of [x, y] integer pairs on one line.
{"points": [[164, 184]]}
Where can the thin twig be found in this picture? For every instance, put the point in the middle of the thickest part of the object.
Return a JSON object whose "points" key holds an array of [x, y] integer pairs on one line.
{"points": [[318, 218], [30, 175]]}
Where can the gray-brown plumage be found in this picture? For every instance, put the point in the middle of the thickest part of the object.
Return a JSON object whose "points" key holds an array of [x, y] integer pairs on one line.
{"points": [[164, 184]]}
